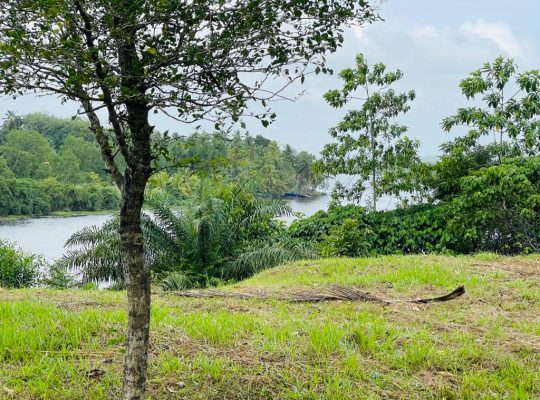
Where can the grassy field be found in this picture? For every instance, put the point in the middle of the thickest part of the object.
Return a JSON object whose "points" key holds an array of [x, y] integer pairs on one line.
{"points": [[484, 345]]}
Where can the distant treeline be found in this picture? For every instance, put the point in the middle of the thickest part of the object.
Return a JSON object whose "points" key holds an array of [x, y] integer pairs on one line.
{"points": [[256, 163], [41, 197], [50, 164]]}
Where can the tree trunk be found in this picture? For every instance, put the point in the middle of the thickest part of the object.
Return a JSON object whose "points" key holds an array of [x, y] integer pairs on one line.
{"points": [[137, 279], [373, 172], [373, 186]]}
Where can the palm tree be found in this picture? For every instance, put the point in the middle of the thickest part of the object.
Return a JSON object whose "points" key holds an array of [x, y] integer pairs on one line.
{"points": [[11, 121], [224, 233]]}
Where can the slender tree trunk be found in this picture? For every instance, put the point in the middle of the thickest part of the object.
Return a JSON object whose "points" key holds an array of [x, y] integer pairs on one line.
{"points": [[373, 183], [137, 278], [373, 172]]}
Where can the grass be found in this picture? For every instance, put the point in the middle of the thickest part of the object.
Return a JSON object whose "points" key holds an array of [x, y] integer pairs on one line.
{"points": [[484, 345]]}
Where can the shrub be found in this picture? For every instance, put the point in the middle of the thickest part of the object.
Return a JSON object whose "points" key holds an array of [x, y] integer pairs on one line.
{"points": [[498, 208], [412, 230], [18, 269], [415, 229], [40, 197], [57, 277], [350, 239], [177, 280], [318, 226]]}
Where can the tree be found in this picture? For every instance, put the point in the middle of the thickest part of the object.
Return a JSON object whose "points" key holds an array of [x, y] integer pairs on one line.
{"points": [[224, 233], [498, 208], [66, 167], [190, 60], [55, 129], [87, 154], [28, 154], [11, 121], [370, 147], [512, 113]]}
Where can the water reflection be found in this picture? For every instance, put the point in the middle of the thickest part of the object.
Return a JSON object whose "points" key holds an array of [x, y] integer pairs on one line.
{"points": [[47, 236]]}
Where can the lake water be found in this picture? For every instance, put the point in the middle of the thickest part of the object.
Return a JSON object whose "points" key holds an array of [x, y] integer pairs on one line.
{"points": [[47, 236]]}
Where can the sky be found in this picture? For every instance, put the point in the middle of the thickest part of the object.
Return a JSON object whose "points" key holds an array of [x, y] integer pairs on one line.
{"points": [[436, 43]]}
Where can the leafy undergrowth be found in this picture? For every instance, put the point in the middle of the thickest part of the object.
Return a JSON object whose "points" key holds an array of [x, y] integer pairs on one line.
{"points": [[484, 345]]}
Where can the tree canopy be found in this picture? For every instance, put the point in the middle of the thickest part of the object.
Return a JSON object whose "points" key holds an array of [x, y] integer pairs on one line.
{"points": [[370, 145], [511, 116]]}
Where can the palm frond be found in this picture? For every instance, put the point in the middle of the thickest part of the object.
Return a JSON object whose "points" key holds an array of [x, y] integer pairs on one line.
{"points": [[269, 208], [98, 263], [258, 258], [93, 235]]}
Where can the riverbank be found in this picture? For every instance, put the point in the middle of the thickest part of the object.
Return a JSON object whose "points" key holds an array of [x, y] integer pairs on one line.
{"points": [[484, 344], [55, 214]]}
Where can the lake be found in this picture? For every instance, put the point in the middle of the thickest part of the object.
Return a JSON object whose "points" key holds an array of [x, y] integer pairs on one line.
{"points": [[47, 236]]}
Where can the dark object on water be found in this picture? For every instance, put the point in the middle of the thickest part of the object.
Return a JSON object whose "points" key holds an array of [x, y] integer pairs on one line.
{"points": [[295, 195], [330, 293]]}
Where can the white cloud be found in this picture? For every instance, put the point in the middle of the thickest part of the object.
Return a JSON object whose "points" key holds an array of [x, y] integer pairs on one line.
{"points": [[498, 32], [424, 32], [360, 34]]}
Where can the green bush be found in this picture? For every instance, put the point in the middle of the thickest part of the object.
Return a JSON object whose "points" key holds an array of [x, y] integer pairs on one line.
{"points": [[57, 277], [18, 269], [415, 229], [318, 226], [495, 208], [221, 232], [178, 280], [350, 239], [498, 209], [40, 197]]}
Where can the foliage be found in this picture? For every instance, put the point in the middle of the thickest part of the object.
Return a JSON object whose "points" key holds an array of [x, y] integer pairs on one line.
{"points": [[28, 154], [370, 146], [90, 286], [177, 280], [224, 232], [349, 239], [316, 227], [257, 257], [512, 111], [443, 177], [410, 230], [495, 208], [37, 179], [256, 163], [195, 60], [57, 130], [11, 121], [41, 197], [57, 277], [417, 229], [498, 208], [17, 268]]}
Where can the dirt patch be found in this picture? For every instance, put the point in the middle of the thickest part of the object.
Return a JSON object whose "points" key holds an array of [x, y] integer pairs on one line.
{"points": [[514, 268]]}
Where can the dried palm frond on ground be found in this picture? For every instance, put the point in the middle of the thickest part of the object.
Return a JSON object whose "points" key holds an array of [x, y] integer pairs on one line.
{"points": [[328, 293]]}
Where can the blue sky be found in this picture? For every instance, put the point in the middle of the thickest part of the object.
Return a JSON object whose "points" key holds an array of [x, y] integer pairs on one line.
{"points": [[435, 44]]}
